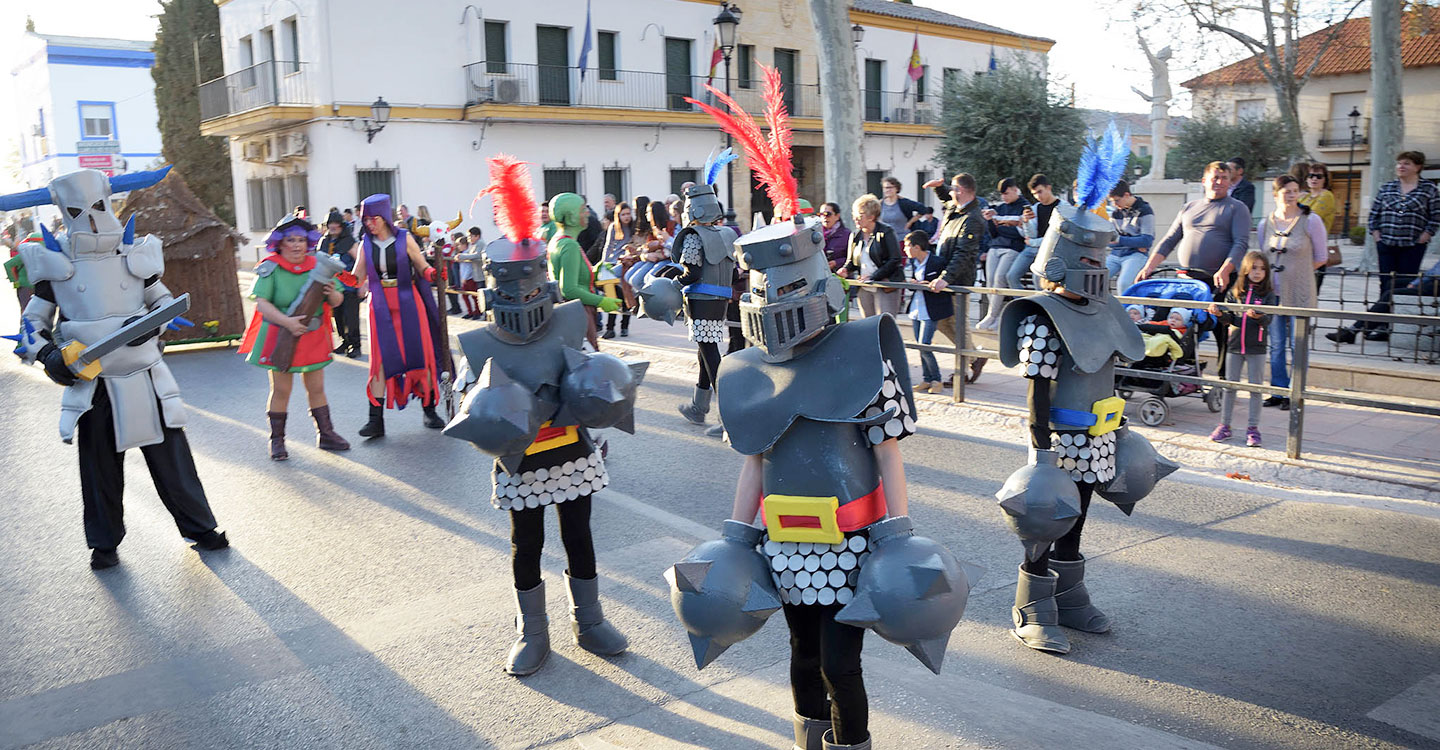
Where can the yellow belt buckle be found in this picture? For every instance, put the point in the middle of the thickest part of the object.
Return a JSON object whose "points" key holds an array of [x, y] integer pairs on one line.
{"points": [[539, 446], [792, 518], [1108, 412]]}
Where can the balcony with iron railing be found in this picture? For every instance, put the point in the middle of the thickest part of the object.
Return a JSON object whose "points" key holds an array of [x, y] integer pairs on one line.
{"points": [[274, 83], [1335, 133], [506, 83]]}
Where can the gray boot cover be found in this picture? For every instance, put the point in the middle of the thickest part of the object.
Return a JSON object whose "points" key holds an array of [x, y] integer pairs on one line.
{"points": [[716, 430], [808, 733], [1037, 620], [698, 407], [828, 743], [592, 632], [1073, 600], [533, 625]]}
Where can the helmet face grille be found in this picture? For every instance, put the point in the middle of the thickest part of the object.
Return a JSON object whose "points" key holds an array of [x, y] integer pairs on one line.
{"points": [[778, 327]]}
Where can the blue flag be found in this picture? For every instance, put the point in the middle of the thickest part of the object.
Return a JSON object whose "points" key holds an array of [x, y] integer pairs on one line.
{"points": [[585, 45]]}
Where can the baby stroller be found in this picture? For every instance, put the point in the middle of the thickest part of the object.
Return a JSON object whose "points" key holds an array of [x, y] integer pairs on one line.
{"points": [[1154, 410]]}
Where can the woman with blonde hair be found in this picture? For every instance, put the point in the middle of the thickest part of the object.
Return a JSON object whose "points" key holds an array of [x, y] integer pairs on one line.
{"points": [[874, 255]]}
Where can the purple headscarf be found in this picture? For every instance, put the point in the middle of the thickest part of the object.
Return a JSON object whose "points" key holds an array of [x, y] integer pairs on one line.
{"points": [[292, 226]]}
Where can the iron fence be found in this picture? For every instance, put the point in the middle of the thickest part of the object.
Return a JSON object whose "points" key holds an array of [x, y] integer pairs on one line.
{"points": [[1336, 132], [261, 85], [1298, 393]]}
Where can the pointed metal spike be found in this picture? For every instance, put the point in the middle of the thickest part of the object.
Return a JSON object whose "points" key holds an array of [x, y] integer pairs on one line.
{"points": [[492, 374], [1126, 508], [860, 612], [1067, 506], [1164, 467], [611, 393], [1119, 484], [931, 653], [929, 577], [511, 463], [564, 417], [760, 601], [627, 423], [574, 357], [638, 369], [1014, 504], [973, 573], [690, 576], [706, 650], [129, 238], [15, 337]]}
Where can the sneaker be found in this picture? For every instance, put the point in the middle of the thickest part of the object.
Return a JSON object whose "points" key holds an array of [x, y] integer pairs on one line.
{"points": [[1221, 433], [1252, 437], [988, 324], [339, 349], [211, 540], [1273, 401], [1377, 336], [937, 387]]}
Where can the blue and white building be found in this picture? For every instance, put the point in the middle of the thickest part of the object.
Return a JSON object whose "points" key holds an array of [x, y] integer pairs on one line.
{"points": [[86, 103]]}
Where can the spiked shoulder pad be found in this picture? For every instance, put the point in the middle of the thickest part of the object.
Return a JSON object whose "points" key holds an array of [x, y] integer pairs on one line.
{"points": [[44, 264], [146, 257]]}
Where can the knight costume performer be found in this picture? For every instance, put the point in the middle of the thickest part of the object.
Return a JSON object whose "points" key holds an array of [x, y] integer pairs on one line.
{"points": [[94, 323], [569, 265], [404, 322], [817, 407], [1066, 340], [531, 398], [295, 289], [705, 250]]}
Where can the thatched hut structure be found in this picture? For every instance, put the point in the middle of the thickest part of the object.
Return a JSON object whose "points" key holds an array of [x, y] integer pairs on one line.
{"points": [[199, 257]]}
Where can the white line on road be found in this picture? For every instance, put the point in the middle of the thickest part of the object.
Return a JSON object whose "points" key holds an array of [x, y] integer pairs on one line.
{"points": [[1417, 710], [642, 508]]}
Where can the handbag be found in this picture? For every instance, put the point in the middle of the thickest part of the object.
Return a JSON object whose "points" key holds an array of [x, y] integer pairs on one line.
{"points": [[1332, 255]]}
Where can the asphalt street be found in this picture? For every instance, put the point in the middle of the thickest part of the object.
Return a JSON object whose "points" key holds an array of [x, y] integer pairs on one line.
{"points": [[366, 602]]}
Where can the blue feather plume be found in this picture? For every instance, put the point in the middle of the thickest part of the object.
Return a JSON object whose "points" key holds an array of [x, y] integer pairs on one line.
{"points": [[716, 162], [1102, 163]]}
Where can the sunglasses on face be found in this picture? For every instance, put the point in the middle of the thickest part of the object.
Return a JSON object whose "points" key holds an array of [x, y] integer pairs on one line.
{"points": [[827, 213], [1317, 176]]}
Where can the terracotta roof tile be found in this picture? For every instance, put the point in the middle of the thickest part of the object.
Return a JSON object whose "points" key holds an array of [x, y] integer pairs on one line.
{"points": [[1350, 53]]}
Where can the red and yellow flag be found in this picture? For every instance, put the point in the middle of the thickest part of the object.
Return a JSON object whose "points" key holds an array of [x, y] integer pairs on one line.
{"points": [[916, 69]]}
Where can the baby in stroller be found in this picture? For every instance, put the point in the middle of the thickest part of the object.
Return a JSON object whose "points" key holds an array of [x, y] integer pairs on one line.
{"points": [[1168, 348]]}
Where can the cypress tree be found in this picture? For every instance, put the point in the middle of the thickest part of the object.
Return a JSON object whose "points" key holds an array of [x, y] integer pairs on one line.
{"points": [[204, 161]]}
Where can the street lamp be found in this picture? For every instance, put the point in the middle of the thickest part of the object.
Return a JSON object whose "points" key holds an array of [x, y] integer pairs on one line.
{"points": [[379, 116], [726, 22], [857, 34], [1350, 173]]}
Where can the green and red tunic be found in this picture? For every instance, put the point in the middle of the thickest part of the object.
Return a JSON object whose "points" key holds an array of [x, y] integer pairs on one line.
{"points": [[280, 283]]}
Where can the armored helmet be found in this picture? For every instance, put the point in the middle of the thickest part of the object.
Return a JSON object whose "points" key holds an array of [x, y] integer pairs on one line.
{"points": [[792, 295], [1073, 252], [518, 292], [83, 198], [702, 206]]}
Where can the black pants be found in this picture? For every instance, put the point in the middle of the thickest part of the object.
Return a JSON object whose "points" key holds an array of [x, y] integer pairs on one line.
{"points": [[737, 335], [825, 675], [527, 540], [1066, 547], [1399, 265], [102, 478], [347, 319], [709, 356], [624, 321]]}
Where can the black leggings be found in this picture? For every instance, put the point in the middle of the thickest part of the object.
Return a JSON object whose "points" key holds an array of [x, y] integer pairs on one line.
{"points": [[709, 364], [737, 335], [1066, 547], [527, 539], [825, 676]]}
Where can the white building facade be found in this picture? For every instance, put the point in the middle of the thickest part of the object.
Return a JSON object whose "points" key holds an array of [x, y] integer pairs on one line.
{"points": [[88, 103], [465, 81]]}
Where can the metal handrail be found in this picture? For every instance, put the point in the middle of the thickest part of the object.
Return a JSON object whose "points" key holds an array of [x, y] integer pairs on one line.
{"points": [[1297, 392], [263, 84]]}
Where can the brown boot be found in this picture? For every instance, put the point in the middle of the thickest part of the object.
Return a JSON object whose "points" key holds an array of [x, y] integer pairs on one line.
{"points": [[277, 435], [326, 436]]}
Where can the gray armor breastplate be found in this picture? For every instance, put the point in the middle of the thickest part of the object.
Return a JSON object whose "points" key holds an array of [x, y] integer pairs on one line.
{"points": [[717, 266], [95, 301], [536, 364], [762, 402], [1093, 333], [820, 459]]}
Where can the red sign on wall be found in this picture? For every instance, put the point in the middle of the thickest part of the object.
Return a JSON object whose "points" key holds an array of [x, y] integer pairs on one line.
{"points": [[96, 161]]}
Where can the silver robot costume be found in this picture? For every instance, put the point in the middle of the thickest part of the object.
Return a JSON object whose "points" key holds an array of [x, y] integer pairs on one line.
{"points": [[94, 284], [1066, 341], [531, 398]]}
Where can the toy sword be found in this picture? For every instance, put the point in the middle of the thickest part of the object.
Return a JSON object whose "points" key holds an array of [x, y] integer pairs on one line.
{"points": [[84, 360]]}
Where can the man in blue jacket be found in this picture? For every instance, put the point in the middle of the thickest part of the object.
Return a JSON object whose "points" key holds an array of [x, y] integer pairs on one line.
{"points": [[1134, 222]]}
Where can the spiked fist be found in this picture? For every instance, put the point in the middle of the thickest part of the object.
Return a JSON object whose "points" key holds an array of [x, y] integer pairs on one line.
{"points": [[598, 391], [1138, 467], [500, 416], [722, 591], [911, 592], [1040, 502]]}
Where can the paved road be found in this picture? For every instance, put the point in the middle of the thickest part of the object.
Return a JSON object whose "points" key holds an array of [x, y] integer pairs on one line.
{"points": [[366, 603]]}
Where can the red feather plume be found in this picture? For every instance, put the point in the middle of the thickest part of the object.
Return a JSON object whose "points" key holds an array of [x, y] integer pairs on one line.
{"points": [[770, 158], [516, 213]]}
